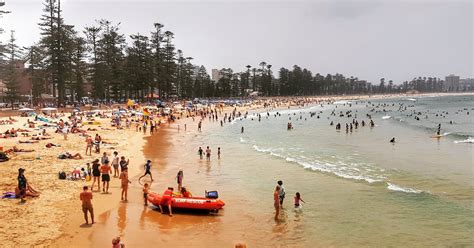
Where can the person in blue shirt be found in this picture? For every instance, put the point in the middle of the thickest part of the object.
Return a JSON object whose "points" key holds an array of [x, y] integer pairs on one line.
{"points": [[147, 170]]}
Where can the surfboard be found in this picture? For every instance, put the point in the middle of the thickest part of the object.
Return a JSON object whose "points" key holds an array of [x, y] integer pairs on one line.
{"points": [[437, 136]]}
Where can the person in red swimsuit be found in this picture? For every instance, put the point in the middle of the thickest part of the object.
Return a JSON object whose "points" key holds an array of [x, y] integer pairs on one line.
{"points": [[166, 200]]}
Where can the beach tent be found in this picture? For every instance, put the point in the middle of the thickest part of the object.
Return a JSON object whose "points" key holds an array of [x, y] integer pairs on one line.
{"points": [[152, 96], [26, 110]]}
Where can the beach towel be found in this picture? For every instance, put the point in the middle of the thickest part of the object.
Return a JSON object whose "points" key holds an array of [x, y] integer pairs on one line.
{"points": [[9, 195]]}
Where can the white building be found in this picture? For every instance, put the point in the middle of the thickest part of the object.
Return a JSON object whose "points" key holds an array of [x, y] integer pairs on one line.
{"points": [[466, 84], [216, 75], [451, 83]]}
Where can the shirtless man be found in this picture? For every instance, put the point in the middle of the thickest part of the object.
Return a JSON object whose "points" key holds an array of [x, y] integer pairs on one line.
{"points": [[89, 143]]}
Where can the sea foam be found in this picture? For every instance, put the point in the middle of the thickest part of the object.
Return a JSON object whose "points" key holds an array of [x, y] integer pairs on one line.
{"points": [[395, 187], [468, 140]]}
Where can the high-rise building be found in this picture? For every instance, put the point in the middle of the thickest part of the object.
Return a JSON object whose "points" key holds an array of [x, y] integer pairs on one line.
{"points": [[451, 83], [466, 84], [216, 75]]}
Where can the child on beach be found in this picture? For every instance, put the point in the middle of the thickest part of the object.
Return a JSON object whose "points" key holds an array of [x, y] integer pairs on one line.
{"points": [[298, 199], [179, 179], [124, 182], [145, 193]]}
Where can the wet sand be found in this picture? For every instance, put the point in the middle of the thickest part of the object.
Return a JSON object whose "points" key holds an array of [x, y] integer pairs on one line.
{"points": [[58, 213]]}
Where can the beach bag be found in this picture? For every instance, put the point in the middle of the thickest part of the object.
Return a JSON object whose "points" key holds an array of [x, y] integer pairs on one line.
{"points": [[212, 194], [62, 175], [3, 157]]}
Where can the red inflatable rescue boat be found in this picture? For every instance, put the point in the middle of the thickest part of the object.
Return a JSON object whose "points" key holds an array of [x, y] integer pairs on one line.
{"points": [[201, 203]]}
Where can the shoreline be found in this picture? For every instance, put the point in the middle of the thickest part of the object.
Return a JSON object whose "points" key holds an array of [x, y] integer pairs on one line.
{"points": [[58, 208]]}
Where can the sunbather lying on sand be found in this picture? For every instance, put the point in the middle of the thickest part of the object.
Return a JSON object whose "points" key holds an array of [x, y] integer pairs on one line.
{"points": [[28, 141], [68, 155], [40, 138], [16, 149]]}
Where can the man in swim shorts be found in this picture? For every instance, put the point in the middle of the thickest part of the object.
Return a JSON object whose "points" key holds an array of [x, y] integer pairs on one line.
{"points": [[105, 169]]}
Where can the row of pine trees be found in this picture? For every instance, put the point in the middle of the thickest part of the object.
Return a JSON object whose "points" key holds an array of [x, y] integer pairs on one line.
{"points": [[65, 59]]}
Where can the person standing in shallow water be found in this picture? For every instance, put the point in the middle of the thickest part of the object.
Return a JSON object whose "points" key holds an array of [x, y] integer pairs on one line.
{"points": [[200, 151], [276, 201], [281, 193], [208, 154]]}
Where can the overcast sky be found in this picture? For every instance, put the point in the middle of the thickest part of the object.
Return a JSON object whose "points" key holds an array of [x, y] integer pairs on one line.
{"points": [[396, 40]]}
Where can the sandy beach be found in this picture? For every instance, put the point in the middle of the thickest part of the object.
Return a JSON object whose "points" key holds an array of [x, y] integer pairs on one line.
{"points": [[55, 218]]}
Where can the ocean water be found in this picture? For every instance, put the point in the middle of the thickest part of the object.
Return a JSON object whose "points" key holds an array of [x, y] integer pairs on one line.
{"points": [[360, 189]]}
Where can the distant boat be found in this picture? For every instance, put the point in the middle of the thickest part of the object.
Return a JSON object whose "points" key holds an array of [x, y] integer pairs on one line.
{"points": [[411, 99]]}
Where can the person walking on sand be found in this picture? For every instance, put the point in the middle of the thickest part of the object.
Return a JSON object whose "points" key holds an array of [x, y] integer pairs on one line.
{"points": [[86, 198], [95, 174], [89, 144], [115, 164], [147, 167], [276, 201], [105, 170], [124, 181], [282, 193], [218, 153], [179, 179], [208, 154]]}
